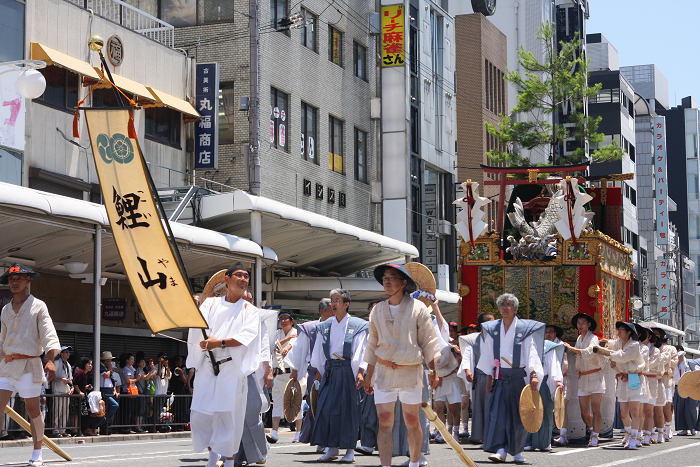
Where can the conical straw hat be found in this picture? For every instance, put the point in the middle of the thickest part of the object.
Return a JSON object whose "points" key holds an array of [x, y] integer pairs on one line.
{"points": [[559, 408], [422, 276], [292, 400], [216, 287], [689, 385], [313, 398], [531, 411]]}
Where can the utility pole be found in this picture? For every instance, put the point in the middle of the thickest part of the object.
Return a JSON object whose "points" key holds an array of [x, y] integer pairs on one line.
{"points": [[254, 115]]}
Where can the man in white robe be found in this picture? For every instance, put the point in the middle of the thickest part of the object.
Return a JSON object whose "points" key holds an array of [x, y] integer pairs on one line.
{"points": [[218, 403], [286, 340]]}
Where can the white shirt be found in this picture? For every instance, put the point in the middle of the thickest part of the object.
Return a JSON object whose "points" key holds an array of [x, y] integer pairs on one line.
{"points": [[529, 359], [300, 356], [552, 367], [467, 349], [336, 344], [279, 361]]}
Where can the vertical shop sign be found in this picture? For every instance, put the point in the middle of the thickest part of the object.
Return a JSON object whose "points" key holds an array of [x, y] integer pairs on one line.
{"points": [[660, 174], [206, 131], [393, 37]]}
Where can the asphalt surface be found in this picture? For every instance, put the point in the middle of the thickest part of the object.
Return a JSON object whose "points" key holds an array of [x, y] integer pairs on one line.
{"points": [[682, 451]]}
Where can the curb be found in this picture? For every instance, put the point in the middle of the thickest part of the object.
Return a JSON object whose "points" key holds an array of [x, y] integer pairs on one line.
{"points": [[97, 439]]}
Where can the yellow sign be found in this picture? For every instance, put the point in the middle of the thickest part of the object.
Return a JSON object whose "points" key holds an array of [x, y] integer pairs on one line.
{"points": [[149, 258], [393, 36]]}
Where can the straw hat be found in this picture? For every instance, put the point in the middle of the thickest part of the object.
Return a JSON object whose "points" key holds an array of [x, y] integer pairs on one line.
{"points": [[531, 410], [313, 398], [424, 279], [292, 400], [559, 408], [216, 287], [447, 362], [689, 385]]}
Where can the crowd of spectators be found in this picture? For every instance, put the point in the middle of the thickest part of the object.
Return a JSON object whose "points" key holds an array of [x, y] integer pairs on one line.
{"points": [[136, 393]]}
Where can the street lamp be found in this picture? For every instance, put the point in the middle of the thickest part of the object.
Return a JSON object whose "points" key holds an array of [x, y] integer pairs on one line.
{"points": [[30, 83]]}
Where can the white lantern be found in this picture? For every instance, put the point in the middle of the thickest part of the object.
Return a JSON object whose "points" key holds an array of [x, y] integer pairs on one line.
{"points": [[637, 304], [31, 84]]}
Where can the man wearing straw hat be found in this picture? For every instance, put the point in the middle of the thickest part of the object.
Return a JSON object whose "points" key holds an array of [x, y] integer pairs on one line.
{"points": [[401, 337], [26, 331], [512, 356], [338, 355], [218, 405]]}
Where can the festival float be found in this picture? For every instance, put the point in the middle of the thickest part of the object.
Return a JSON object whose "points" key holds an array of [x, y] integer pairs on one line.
{"points": [[556, 246]]}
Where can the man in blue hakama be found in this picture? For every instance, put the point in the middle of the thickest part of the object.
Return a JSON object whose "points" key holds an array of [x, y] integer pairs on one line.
{"points": [[339, 352], [512, 356], [553, 358]]}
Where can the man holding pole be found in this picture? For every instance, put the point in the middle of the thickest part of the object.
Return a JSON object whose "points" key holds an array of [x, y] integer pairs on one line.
{"points": [[26, 331], [401, 337], [219, 400]]}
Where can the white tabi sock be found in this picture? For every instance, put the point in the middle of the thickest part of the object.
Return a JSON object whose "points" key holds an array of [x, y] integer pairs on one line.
{"points": [[213, 459], [413, 464], [36, 455], [563, 431], [228, 463]]}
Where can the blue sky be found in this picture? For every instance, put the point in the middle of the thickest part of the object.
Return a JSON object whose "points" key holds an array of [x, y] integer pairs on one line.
{"points": [[660, 32]]}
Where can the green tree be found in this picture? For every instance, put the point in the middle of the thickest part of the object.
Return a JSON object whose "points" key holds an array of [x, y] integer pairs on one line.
{"points": [[561, 79]]}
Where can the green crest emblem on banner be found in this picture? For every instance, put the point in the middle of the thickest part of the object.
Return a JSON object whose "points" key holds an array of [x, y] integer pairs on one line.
{"points": [[118, 148]]}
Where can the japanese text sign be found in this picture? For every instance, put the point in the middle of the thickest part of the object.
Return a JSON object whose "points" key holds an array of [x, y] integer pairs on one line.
{"points": [[148, 257], [206, 131], [393, 37], [660, 177], [663, 287]]}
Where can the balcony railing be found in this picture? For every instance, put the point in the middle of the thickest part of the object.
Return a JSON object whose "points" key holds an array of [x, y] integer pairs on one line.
{"points": [[132, 18]]}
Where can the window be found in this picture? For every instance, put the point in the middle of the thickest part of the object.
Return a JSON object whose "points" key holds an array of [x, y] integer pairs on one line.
{"points": [[335, 144], [10, 166], [309, 125], [359, 54], [105, 97], [183, 13], [360, 156], [279, 119], [278, 15], [61, 88], [227, 108], [335, 46], [308, 30], [11, 30], [163, 125]]}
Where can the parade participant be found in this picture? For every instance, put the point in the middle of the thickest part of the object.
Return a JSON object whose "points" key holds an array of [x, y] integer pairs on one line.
{"points": [[512, 356], [26, 331], [684, 408], [254, 447], [626, 359], [671, 355], [401, 337], [591, 381], [470, 357], [466, 395], [553, 379], [642, 336], [298, 360], [339, 351], [217, 413], [448, 394], [369, 424], [651, 373], [286, 339], [659, 435]]}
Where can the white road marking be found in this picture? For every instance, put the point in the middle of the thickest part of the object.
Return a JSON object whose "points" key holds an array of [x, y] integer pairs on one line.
{"points": [[573, 451], [647, 456]]}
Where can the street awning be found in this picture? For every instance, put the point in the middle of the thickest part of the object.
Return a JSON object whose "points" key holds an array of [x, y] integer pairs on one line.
{"points": [[54, 57], [129, 86], [668, 329], [49, 230], [166, 100], [304, 293], [303, 239]]}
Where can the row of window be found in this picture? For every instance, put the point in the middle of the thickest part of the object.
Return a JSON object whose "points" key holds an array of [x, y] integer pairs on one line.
{"points": [[630, 194], [279, 131], [309, 37], [162, 124]]}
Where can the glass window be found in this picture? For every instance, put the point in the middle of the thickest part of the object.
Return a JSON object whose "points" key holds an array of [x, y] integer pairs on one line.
{"points": [[308, 30], [279, 119], [335, 46], [278, 15], [182, 13], [359, 54], [309, 125], [163, 125], [335, 144], [11, 30], [227, 108], [106, 98], [360, 156], [10, 166], [214, 11], [693, 186], [179, 13], [61, 88], [691, 146]]}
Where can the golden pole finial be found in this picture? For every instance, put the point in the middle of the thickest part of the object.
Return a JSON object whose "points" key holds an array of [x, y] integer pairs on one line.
{"points": [[96, 43]]}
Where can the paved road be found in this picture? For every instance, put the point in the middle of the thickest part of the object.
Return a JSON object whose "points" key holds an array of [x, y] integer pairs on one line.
{"points": [[681, 452]]}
